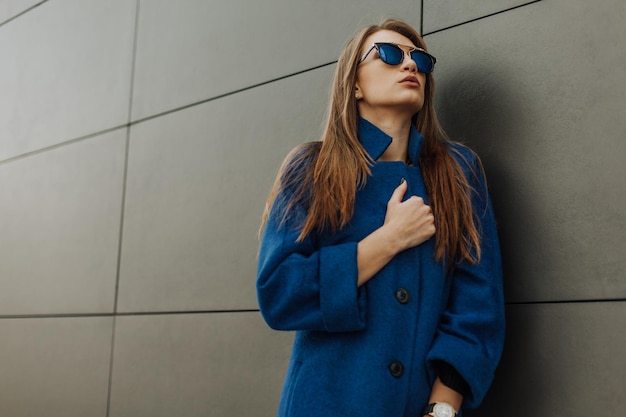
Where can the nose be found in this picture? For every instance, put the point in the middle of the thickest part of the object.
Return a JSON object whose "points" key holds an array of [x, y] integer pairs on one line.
{"points": [[408, 63]]}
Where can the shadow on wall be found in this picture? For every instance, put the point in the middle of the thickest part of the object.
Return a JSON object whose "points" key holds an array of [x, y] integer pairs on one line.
{"points": [[482, 109], [522, 389]]}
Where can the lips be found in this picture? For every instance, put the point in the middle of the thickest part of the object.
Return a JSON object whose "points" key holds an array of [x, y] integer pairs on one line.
{"points": [[410, 79]]}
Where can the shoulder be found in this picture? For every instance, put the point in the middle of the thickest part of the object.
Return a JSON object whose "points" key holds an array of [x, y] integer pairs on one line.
{"points": [[303, 154], [298, 163], [295, 178], [465, 156], [470, 164]]}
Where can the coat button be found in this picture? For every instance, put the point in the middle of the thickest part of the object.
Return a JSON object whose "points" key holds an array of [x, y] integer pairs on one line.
{"points": [[396, 368], [402, 295]]}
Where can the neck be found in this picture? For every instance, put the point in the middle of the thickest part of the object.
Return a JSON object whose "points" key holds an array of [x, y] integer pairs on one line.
{"points": [[398, 128]]}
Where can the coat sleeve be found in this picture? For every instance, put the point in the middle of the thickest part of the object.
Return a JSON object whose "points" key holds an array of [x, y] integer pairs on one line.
{"points": [[304, 287], [470, 334]]}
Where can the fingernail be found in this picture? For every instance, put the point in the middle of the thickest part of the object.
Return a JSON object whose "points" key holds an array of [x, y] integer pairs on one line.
{"points": [[402, 180]]}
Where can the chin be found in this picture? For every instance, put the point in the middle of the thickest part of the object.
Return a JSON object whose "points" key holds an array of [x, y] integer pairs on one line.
{"points": [[414, 104], [414, 107]]}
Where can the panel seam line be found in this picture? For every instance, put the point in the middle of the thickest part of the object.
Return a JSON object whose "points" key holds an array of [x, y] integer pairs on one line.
{"points": [[480, 18], [129, 124]]}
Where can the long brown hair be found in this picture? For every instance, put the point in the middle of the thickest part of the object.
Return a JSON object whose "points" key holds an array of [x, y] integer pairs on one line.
{"points": [[325, 176]]}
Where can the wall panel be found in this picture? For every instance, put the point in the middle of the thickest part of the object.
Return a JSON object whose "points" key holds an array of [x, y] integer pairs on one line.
{"points": [[221, 46], [65, 72], [59, 228], [204, 365], [197, 182], [537, 90], [440, 14], [562, 360], [11, 8], [54, 367], [540, 100]]}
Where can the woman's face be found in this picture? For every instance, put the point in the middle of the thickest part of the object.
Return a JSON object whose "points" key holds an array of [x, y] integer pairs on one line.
{"points": [[381, 87]]}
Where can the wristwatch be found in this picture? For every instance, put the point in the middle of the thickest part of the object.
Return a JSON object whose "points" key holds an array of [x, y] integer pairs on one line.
{"points": [[440, 410]]}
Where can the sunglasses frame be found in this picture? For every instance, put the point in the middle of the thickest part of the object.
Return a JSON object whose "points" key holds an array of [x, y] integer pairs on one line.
{"points": [[377, 45]]}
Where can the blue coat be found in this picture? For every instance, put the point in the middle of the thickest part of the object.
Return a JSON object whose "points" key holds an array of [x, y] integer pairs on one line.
{"points": [[369, 351]]}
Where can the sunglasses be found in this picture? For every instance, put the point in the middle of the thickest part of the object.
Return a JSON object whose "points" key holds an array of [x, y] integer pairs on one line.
{"points": [[393, 54]]}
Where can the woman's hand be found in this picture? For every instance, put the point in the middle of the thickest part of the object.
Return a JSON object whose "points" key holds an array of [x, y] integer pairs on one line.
{"points": [[409, 222]]}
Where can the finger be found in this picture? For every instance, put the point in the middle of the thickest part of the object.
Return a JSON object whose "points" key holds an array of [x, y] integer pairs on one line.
{"points": [[418, 200], [398, 193]]}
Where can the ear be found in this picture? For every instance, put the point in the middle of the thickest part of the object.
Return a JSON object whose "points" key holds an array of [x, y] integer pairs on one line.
{"points": [[357, 91]]}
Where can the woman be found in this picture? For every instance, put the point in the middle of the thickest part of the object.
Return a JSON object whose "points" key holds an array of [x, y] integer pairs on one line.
{"points": [[379, 247]]}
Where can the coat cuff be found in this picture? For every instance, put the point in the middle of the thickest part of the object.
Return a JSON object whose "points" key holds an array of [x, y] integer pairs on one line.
{"points": [[342, 302]]}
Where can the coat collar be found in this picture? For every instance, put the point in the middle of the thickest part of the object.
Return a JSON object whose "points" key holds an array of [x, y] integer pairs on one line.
{"points": [[375, 141]]}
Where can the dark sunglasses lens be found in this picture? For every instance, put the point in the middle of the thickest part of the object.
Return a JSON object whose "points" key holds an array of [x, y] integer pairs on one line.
{"points": [[390, 54], [424, 63]]}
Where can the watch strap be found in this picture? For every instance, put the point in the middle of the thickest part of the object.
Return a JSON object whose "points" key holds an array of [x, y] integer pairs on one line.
{"points": [[429, 410]]}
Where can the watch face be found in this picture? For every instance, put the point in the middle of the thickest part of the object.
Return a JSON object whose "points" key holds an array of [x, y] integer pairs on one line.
{"points": [[443, 410]]}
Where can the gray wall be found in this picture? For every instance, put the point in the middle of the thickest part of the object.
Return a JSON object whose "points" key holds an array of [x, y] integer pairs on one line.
{"points": [[540, 91], [138, 140]]}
